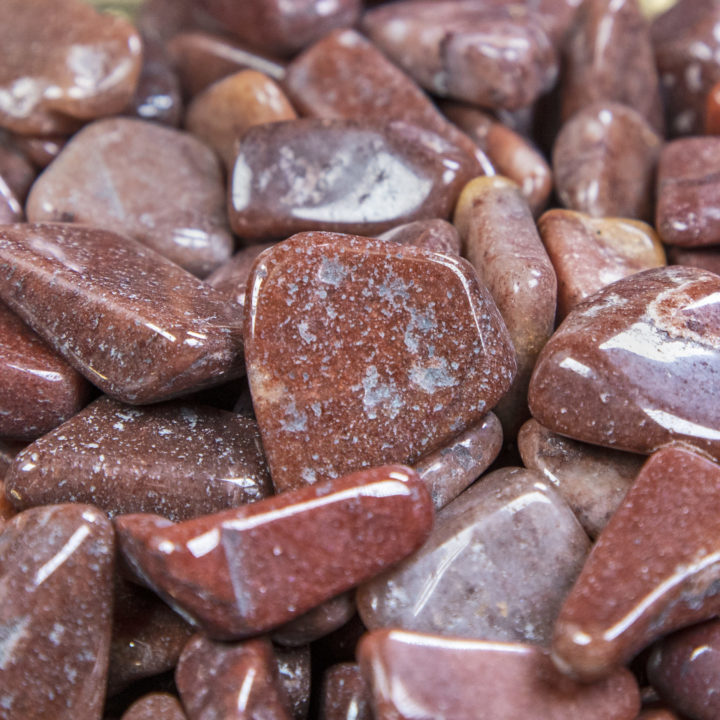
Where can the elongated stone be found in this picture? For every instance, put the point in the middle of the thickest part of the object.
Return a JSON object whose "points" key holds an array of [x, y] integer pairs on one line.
{"points": [[242, 572], [497, 566], [55, 612], [231, 277], [434, 235], [654, 568], [345, 694], [413, 676], [360, 352], [294, 668], [623, 369], [155, 706], [135, 324], [704, 258], [316, 623]]}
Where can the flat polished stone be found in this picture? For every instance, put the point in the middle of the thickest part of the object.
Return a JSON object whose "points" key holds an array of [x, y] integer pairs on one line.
{"points": [[113, 307], [316, 623], [704, 258], [434, 235], [242, 572], [360, 352], [623, 369], [414, 676], [344, 694], [155, 706], [654, 568], [112, 174]]}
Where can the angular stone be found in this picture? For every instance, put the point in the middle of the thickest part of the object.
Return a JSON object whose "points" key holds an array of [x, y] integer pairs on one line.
{"points": [[55, 611], [135, 324], [155, 706], [497, 566], [177, 460], [242, 572], [447, 471], [344, 694], [589, 253], [38, 389], [434, 235], [604, 162], [318, 622], [623, 369], [294, 674], [346, 176], [64, 62], [223, 112], [231, 277], [501, 241], [360, 352], [705, 259], [112, 175], [413, 675]]}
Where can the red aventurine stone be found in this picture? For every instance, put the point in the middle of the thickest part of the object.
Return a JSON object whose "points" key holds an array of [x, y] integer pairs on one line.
{"points": [[623, 369], [318, 622], [435, 235], [38, 389], [294, 674], [63, 62], [360, 352], [157, 184], [344, 694], [416, 676], [230, 278], [654, 568], [155, 706], [241, 572], [55, 611], [138, 326], [705, 259]]}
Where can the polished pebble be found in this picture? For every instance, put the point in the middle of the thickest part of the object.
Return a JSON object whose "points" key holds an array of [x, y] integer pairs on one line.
{"points": [[435, 235], [41, 150], [316, 623], [704, 258], [16, 169], [155, 706], [344, 694], [294, 673], [231, 277]]}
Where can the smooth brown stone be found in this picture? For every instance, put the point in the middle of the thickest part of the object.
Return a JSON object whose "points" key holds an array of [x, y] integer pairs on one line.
{"points": [[232, 682], [15, 168], [316, 623], [344, 694], [592, 480], [414, 676], [222, 113], [623, 369], [63, 62], [449, 470], [8, 450], [344, 176], [231, 277], [705, 259], [41, 150], [157, 184], [242, 572], [294, 668], [10, 208], [56, 568], [38, 389], [177, 460], [654, 568], [360, 352], [501, 241], [155, 706], [112, 307], [589, 253], [604, 162], [434, 235]]}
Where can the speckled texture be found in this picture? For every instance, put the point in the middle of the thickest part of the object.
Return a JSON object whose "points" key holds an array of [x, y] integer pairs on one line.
{"points": [[294, 666], [435, 235], [242, 572], [177, 460], [360, 352], [114, 308], [344, 694], [56, 568], [155, 706], [318, 622]]}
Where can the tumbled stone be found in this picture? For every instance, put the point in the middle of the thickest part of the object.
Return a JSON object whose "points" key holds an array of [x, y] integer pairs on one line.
{"points": [[15, 168], [497, 566], [488, 54], [589, 253], [705, 258], [346, 176], [38, 389], [241, 572], [654, 568], [712, 111], [501, 241], [8, 450], [10, 208], [318, 622], [360, 352], [449, 470], [155, 706], [177, 460], [604, 162], [344, 694], [623, 369], [135, 324], [413, 675], [223, 112], [113, 175], [41, 150], [294, 670], [231, 277], [435, 235], [55, 610], [64, 62]]}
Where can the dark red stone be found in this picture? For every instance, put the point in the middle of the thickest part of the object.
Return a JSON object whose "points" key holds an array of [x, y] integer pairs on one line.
{"points": [[435, 235], [705, 258], [155, 706], [231, 278], [41, 150], [294, 670], [344, 694], [318, 622]]}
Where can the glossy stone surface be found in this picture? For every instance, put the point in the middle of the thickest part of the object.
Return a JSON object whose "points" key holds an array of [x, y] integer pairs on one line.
{"points": [[434, 235], [414, 676], [360, 352], [604, 162], [38, 389], [318, 622], [344, 694], [176, 460], [654, 568], [56, 568], [589, 253], [497, 566], [345, 176], [112, 307], [705, 259], [231, 277], [155, 706], [241, 572], [623, 369], [294, 669], [63, 62]]}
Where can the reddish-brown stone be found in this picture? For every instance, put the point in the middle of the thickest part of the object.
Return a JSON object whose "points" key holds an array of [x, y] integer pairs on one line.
{"points": [[712, 111], [41, 150], [318, 622], [435, 235], [360, 352], [705, 258], [15, 168], [10, 208], [294, 674], [230, 279], [8, 450], [155, 706], [344, 694], [657, 714]]}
